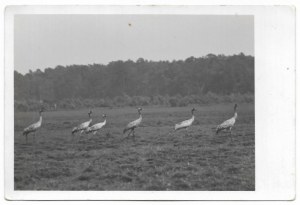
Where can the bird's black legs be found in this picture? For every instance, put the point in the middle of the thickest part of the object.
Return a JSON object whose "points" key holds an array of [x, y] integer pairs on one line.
{"points": [[78, 138], [80, 135], [129, 133], [230, 135], [34, 148], [26, 138], [133, 135], [187, 132]]}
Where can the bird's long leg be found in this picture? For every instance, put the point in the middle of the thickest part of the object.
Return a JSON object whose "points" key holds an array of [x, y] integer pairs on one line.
{"points": [[34, 151], [216, 132], [88, 135], [72, 137], [80, 136], [129, 132], [230, 135], [186, 132], [133, 135], [26, 138]]}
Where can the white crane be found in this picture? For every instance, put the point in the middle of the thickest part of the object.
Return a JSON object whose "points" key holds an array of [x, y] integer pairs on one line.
{"points": [[83, 126], [134, 124], [34, 127], [228, 124], [96, 127], [187, 123]]}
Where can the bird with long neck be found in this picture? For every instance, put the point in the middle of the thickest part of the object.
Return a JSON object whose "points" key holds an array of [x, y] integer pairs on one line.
{"points": [[228, 124], [134, 124], [97, 126], [187, 123], [83, 126], [33, 127]]}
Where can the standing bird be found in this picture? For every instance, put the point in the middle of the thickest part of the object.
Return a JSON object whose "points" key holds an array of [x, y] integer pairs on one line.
{"points": [[187, 123], [83, 126], [134, 124], [96, 127], [34, 127], [228, 124]]}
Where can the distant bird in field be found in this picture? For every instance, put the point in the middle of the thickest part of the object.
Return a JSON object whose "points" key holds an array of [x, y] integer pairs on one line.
{"points": [[134, 124], [34, 127], [187, 123], [83, 126], [228, 124], [96, 127]]}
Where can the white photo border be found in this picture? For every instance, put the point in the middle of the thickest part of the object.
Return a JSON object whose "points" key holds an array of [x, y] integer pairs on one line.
{"points": [[275, 111]]}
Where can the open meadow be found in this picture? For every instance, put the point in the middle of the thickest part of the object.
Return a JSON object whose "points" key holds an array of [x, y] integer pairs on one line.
{"points": [[195, 160]]}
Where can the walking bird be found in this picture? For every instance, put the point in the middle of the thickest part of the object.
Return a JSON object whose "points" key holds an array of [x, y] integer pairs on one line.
{"points": [[134, 124], [34, 127], [228, 124], [187, 123], [83, 126], [96, 127]]}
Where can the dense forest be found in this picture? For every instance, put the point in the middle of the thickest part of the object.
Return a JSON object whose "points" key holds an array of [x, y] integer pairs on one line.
{"points": [[129, 83]]}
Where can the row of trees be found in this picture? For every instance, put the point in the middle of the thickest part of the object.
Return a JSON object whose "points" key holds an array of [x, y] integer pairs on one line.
{"points": [[218, 74]]}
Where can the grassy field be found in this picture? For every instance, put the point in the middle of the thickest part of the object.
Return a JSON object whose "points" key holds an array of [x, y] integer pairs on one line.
{"points": [[152, 160]]}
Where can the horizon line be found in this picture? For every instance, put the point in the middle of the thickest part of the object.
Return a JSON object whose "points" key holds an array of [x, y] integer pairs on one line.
{"points": [[149, 60]]}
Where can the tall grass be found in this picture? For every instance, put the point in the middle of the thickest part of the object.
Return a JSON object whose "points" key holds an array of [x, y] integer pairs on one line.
{"points": [[125, 100]]}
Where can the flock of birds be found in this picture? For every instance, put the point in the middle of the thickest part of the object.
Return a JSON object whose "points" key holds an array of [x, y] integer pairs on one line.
{"points": [[87, 128]]}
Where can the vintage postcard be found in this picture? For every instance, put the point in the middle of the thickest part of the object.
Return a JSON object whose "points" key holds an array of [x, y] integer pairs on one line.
{"points": [[150, 103]]}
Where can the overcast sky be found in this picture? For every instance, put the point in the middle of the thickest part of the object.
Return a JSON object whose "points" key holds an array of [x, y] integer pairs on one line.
{"points": [[43, 41]]}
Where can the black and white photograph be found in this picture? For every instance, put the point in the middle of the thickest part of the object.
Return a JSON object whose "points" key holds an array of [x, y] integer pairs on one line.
{"points": [[133, 101]]}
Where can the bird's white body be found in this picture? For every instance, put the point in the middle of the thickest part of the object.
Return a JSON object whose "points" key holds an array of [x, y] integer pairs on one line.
{"points": [[185, 124], [134, 124], [34, 127], [228, 124], [95, 127], [82, 127]]}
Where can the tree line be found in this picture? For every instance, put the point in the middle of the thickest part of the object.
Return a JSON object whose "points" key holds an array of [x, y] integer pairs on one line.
{"points": [[211, 74]]}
